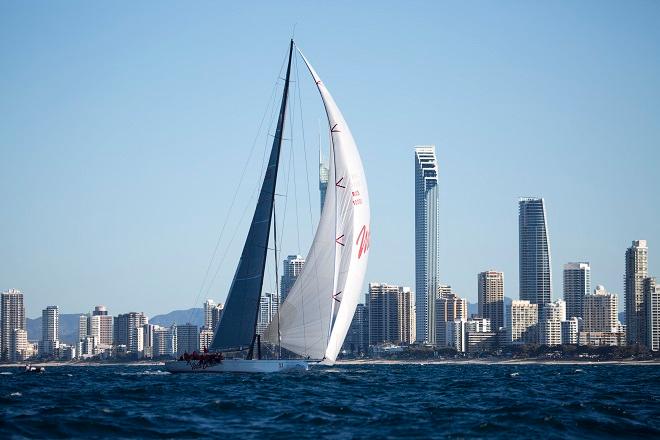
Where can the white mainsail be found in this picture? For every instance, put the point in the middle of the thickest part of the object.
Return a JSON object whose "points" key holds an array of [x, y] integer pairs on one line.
{"points": [[318, 311]]}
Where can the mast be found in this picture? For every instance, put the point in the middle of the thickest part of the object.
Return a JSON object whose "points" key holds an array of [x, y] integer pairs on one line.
{"points": [[237, 327]]}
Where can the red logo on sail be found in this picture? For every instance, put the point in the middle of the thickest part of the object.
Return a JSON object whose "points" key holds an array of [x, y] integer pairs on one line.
{"points": [[363, 241]]}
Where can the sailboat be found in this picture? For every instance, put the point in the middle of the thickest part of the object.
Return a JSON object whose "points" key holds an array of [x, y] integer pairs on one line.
{"points": [[312, 322]]}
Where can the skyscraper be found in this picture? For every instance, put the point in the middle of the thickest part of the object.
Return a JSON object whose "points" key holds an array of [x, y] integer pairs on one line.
{"points": [[491, 297], [323, 178], [577, 284], [426, 241], [534, 252], [652, 304], [50, 330], [637, 267], [292, 267], [12, 317]]}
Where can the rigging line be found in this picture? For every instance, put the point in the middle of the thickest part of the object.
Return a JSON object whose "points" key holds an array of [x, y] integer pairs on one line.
{"points": [[309, 197], [295, 183], [253, 193], [270, 105], [302, 127], [302, 297]]}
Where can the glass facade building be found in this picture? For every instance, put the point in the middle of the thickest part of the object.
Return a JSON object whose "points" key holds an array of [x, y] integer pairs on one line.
{"points": [[534, 252], [426, 241]]}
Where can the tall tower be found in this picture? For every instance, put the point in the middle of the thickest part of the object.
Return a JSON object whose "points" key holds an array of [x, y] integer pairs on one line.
{"points": [[50, 330], [323, 177], [292, 267], [534, 252], [426, 241], [637, 267], [12, 317], [577, 284], [491, 297]]}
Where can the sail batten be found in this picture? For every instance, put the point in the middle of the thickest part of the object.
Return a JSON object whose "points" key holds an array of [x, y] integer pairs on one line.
{"points": [[237, 325]]}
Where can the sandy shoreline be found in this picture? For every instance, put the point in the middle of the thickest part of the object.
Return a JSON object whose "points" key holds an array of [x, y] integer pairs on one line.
{"points": [[371, 362]]}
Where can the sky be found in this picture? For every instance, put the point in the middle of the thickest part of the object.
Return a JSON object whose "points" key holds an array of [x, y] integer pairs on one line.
{"points": [[125, 129]]}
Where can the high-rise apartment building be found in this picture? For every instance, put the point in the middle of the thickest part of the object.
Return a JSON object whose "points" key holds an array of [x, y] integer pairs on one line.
{"points": [[164, 341], [209, 305], [600, 311], [98, 325], [637, 267], [12, 317], [448, 308], [101, 325], [216, 314], [406, 310], [383, 313], [426, 241], [491, 297], [268, 307], [357, 337], [552, 315], [291, 268], [50, 331], [652, 306], [534, 252], [577, 284], [522, 322], [569, 331], [187, 339], [128, 331], [19, 348], [205, 338]]}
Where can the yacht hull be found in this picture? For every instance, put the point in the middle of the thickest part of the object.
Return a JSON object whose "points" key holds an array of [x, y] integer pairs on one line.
{"points": [[238, 366]]}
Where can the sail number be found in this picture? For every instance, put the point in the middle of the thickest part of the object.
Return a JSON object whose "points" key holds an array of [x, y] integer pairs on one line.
{"points": [[356, 197]]}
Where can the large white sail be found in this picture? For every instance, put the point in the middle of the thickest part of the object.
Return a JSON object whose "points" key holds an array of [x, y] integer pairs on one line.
{"points": [[316, 315]]}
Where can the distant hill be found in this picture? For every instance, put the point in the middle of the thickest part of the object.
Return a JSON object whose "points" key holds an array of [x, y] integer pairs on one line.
{"points": [[192, 316], [68, 328], [473, 308]]}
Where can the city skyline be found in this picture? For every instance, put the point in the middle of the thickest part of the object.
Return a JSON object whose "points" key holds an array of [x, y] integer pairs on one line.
{"points": [[134, 202]]}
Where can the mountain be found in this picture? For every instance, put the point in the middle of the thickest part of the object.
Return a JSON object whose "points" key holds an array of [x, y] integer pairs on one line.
{"points": [[473, 308], [68, 328], [192, 316]]}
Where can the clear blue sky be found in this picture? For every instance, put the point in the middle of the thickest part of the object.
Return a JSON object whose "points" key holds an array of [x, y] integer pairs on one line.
{"points": [[124, 128]]}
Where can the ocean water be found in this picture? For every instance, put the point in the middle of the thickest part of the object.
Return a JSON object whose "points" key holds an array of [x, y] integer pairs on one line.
{"points": [[351, 401]]}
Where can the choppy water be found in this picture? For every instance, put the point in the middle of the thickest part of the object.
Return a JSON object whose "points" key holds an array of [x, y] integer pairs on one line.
{"points": [[357, 401]]}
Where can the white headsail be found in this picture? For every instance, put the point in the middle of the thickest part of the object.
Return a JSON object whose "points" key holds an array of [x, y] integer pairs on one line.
{"points": [[317, 312]]}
